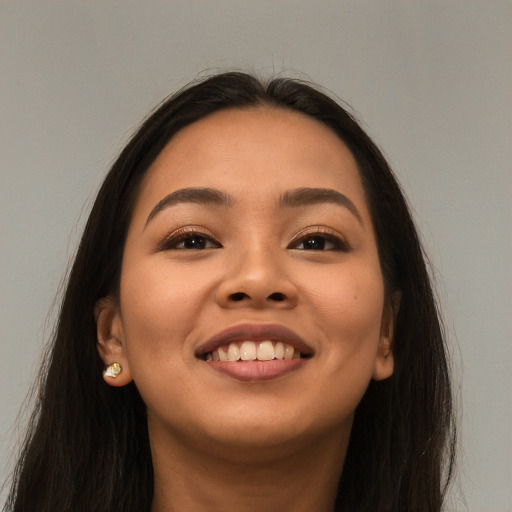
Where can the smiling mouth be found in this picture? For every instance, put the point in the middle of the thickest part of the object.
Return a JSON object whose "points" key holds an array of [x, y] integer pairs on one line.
{"points": [[265, 350], [255, 352]]}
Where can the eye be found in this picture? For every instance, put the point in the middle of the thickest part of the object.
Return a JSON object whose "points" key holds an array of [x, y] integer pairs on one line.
{"points": [[196, 241], [315, 243], [319, 241], [188, 239]]}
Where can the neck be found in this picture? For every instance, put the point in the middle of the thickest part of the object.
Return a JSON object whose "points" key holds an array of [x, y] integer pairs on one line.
{"points": [[299, 477]]}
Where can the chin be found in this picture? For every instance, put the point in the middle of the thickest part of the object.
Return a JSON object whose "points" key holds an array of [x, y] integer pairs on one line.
{"points": [[273, 429]]}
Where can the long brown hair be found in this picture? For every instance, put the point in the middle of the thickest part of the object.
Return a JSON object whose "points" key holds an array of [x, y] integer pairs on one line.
{"points": [[87, 446]]}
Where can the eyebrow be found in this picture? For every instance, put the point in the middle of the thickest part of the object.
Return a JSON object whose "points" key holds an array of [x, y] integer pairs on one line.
{"points": [[310, 196], [191, 195], [290, 199]]}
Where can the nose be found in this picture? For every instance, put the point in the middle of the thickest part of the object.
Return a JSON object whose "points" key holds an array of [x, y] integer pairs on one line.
{"points": [[258, 280]]}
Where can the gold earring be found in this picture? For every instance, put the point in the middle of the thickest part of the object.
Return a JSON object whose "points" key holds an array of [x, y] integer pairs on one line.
{"points": [[112, 370]]}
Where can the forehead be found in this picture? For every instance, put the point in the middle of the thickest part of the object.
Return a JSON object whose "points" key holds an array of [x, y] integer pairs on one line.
{"points": [[254, 152]]}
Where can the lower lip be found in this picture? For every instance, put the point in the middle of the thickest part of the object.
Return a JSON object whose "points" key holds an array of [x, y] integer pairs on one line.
{"points": [[257, 371]]}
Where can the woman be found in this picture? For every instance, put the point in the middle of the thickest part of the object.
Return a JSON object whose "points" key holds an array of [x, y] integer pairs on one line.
{"points": [[248, 324]]}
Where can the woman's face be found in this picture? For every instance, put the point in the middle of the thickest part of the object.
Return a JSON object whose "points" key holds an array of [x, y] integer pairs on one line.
{"points": [[250, 238]]}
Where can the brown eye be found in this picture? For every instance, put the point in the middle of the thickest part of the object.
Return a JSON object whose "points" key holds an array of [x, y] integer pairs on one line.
{"points": [[188, 240], [195, 242], [320, 242], [315, 243]]}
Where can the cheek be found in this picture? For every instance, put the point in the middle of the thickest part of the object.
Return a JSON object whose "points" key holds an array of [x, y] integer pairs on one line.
{"points": [[160, 307], [351, 304], [160, 312], [349, 320]]}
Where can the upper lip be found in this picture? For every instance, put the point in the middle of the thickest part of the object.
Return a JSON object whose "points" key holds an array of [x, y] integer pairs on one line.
{"points": [[251, 332]]}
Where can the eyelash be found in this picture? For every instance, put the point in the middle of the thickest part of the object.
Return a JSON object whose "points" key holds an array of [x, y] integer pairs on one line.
{"points": [[324, 235], [171, 241]]}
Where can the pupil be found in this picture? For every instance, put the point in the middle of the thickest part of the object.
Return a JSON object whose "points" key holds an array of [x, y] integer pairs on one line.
{"points": [[194, 243], [315, 243]]}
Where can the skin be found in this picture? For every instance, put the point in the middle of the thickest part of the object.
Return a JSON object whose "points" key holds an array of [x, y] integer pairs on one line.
{"points": [[218, 443]]}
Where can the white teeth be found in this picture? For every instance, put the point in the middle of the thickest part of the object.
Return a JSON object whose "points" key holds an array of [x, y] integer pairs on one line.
{"points": [[279, 350], [233, 352], [288, 352], [265, 351], [248, 351], [223, 355]]}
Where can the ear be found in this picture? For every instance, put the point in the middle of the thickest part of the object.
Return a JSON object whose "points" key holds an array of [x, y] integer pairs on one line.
{"points": [[110, 340], [384, 362]]}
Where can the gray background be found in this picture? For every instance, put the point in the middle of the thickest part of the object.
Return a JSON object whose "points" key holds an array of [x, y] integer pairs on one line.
{"points": [[430, 80]]}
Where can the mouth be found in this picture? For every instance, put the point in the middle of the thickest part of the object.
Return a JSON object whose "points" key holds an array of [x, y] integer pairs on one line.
{"points": [[247, 350], [255, 352]]}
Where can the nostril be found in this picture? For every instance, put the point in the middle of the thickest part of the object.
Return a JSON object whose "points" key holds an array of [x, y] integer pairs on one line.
{"points": [[278, 297], [237, 297], [242, 296]]}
